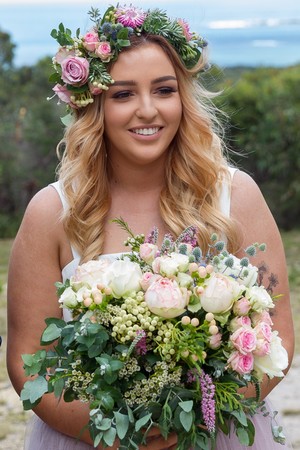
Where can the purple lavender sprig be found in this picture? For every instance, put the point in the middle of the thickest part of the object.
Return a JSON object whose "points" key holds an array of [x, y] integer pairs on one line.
{"points": [[208, 401]]}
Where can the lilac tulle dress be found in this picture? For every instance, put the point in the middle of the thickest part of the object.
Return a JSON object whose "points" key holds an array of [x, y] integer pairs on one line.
{"points": [[39, 436]]}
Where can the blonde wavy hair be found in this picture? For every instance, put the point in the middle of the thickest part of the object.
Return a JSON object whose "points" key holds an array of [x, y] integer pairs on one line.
{"points": [[195, 169]]}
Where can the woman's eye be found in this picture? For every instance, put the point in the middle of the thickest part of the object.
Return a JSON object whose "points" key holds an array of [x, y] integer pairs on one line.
{"points": [[122, 94], [166, 90]]}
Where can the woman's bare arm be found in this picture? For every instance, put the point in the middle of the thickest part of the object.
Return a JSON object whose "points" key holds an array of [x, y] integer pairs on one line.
{"points": [[257, 224]]}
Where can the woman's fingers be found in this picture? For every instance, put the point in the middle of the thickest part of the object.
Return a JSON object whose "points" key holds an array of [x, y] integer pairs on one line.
{"points": [[157, 442]]}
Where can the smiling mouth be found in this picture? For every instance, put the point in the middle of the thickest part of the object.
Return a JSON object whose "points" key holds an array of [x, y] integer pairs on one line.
{"points": [[146, 131]]}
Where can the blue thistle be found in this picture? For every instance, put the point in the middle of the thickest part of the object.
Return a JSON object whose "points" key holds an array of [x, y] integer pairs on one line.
{"points": [[244, 262], [229, 262], [197, 253], [219, 246], [182, 249], [106, 28], [251, 250]]}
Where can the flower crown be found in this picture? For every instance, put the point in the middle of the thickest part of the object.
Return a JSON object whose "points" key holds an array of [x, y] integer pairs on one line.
{"points": [[81, 62]]}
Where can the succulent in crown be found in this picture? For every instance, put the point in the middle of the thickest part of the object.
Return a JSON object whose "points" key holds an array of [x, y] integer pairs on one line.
{"points": [[81, 61]]}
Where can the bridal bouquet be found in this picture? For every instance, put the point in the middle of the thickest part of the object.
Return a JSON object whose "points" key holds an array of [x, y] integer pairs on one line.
{"points": [[161, 337]]}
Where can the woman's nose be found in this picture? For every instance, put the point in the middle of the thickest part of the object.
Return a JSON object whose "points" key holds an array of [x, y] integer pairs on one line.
{"points": [[146, 109]]}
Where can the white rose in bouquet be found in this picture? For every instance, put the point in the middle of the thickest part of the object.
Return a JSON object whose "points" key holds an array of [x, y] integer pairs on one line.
{"points": [[275, 362], [181, 260], [259, 298], [168, 267], [123, 277], [68, 298]]}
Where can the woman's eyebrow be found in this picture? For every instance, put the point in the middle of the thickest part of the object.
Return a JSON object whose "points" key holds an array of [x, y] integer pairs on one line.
{"points": [[133, 83]]}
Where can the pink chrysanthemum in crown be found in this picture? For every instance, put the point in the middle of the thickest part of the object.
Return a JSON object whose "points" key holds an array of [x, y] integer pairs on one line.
{"points": [[130, 16]]}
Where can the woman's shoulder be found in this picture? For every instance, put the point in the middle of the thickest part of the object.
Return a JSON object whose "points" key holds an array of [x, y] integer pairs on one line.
{"points": [[244, 191], [43, 214]]}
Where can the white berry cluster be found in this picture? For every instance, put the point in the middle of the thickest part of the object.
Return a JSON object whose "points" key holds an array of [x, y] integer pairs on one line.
{"points": [[149, 390]]}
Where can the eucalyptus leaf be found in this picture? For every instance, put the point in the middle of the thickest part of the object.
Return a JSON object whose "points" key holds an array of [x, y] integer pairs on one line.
{"points": [[142, 422], [122, 424], [241, 417], [186, 419], [51, 334], [105, 424], [243, 436], [109, 436], [187, 406], [34, 389]]}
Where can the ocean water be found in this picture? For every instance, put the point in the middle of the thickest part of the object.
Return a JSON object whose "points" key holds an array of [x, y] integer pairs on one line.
{"points": [[265, 33]]}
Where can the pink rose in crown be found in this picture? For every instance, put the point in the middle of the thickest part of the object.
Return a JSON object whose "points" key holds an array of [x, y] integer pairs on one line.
{"points": [[64, 94], [91, 41], [103, 51], [166, 299], [244, 340], [242, 364], [63, 53], [95, 90], [75, 70]]}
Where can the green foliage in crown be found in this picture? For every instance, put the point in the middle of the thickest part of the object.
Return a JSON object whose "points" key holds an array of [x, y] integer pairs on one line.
{"points": [[81, 62]]}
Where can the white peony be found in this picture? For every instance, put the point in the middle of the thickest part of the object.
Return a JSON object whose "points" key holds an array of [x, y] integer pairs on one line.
{"points": [[219, 293], [91, 273]]}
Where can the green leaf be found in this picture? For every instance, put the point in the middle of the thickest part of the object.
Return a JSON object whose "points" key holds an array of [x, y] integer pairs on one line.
{"points": [[51, 334], [241, 417], [34, 363], [187, 406], [58, 386], [54, 33], [105, 424], [242, 435], [186, 419], [142, 422], [97, 439], [106, 400], [109, 436], [123, 42], [34, 390], [122, 424]]}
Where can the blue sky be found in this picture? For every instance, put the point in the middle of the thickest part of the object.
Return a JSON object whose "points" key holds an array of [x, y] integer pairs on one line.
{"points": [[29, 22]]}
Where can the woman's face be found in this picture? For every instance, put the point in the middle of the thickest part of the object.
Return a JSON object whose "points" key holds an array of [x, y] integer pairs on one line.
{"points": [[142, 109]]}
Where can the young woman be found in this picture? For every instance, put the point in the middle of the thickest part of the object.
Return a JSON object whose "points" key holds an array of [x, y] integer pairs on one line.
{"points": [[142, 145]]}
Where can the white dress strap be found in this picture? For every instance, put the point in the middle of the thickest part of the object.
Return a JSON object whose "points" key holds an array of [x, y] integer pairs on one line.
{"points": [[225, 194], [59, 189]]}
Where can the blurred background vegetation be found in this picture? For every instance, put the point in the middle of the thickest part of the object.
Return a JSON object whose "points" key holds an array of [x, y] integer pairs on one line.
{"points": [[263, 130]]}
